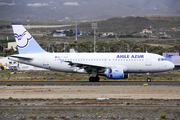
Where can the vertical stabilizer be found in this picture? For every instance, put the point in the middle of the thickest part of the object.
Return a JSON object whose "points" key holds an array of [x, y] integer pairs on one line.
{"points": [[26, 44]]}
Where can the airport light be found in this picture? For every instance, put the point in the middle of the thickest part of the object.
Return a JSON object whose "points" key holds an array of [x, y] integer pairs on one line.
{"points": [[94, 26], [76, 30], [119, 48], [104, 48]]}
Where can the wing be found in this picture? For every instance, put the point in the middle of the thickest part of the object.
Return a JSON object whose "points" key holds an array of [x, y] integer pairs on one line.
{"points": [[95, 68], [89, 68]]}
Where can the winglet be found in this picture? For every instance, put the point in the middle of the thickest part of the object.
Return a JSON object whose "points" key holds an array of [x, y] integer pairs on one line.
{"points": [[26, 44]]}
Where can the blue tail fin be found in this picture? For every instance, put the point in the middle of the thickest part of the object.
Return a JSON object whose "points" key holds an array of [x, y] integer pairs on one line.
{"points": [[26, 44]]}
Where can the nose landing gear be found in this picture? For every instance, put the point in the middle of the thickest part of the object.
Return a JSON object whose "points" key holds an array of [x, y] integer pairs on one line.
{"points": [[148, 78]]}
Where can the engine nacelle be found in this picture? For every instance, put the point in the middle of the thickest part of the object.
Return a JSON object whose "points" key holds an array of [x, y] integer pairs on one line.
{"points": [[116, 73], [3, 68]]}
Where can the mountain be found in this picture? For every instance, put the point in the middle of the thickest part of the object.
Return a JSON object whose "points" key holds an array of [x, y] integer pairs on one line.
{"points": [[84, 9], [130, 25]]}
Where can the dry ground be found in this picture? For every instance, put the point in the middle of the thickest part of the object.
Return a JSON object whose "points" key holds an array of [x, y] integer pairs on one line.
{"points": [[68, 92]]}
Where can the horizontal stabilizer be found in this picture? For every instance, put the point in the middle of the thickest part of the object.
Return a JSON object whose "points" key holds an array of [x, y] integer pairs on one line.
{"points": [[21, 57]]}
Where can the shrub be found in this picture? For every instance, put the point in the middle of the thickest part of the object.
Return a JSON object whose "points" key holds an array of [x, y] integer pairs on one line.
{"points": [[8, 84], [10, 98], [163, 116], [50, 117], [33, 117]]}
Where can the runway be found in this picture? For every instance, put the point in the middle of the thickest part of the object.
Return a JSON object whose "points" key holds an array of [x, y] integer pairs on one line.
{"points": [[84, 106], [90, 83]]}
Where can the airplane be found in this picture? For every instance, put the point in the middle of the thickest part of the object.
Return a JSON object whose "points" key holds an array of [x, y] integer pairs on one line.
{"points": [[111, 65]]}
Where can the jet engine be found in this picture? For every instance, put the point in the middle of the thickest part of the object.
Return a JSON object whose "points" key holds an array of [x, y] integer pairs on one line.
{"points": [[116, 73], [3, 68]]}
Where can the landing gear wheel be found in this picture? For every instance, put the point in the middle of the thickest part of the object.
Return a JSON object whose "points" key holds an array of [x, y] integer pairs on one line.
{"points": [[148, 79], [91, 79], [94, 79], [97, 79]]}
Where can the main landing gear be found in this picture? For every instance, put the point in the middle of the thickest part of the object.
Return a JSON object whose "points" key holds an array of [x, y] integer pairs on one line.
{"points": [[148, 78], [94, 79]]}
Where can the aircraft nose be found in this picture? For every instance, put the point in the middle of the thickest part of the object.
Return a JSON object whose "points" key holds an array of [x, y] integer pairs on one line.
{"points": [[171, 66]]}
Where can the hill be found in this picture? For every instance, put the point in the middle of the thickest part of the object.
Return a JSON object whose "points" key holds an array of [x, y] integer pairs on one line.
{"points": [[78, 10], [130, 24]]}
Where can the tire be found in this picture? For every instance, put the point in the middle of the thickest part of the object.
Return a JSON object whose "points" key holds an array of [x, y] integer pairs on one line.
{"points": [[94, 79], [148, 79], [91, 79], [97, 79]]}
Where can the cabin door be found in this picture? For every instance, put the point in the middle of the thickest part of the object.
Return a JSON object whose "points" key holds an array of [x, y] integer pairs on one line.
{"points": [[46, 61], [148, 60]]}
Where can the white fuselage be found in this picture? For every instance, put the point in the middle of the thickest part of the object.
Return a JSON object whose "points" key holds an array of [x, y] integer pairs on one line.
{"points": [[130, 62]]}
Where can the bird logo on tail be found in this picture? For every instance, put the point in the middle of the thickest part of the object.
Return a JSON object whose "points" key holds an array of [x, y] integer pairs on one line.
{"points": [[22, 39]]}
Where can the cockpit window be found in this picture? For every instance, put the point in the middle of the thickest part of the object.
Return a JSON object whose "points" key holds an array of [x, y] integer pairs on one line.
{"points": [[162, 59]]}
